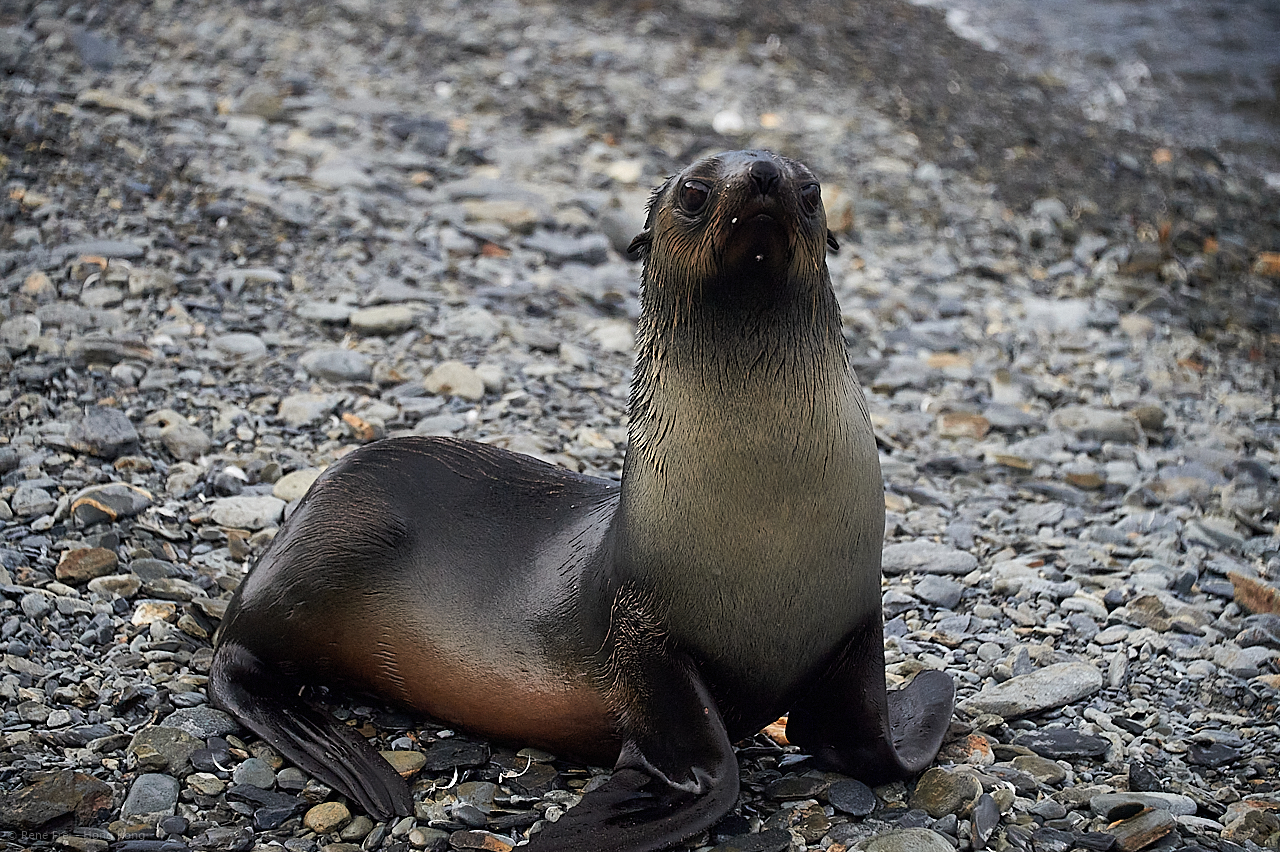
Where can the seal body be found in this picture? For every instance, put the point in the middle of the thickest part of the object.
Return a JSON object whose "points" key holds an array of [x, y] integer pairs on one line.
{"points": [[734, 575]]}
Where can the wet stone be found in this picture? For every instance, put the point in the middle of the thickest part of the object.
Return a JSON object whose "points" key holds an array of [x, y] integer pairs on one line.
{"points": [[1139, 832], [451, 753], [254, 772], [941, 791], [1062, 743], [797, 787], [907, 840], [852, 797]]}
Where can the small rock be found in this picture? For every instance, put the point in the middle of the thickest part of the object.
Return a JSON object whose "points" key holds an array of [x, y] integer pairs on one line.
{"points": [[383, 319], [307, 409], [907, 840], [939, 591], [104, 432], [29, 501], [852, 797], [591, 249], [1096, 424], [240, 348], [327, 817], [337, 365], [54, 795], [942, 791], [1062, 743], [1052, 686], [294, 484], [406, 763], [161, 748], [85, 564], [184, 441], [256, 773], [108, 503], [926, 557], [454, 378], [247, 512], [151, 794]]}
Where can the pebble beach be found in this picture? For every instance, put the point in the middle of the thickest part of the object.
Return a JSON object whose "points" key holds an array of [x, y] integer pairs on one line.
{"points": [[240, 240]]}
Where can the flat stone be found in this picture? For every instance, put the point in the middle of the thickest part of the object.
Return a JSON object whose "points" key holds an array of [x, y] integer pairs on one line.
{"points": [[797, 787], [1174, 803], [1096, 424], [294, 484], [852, 797], [1043, 689], [85, 564], [1040, 768], [307, 409], [53, 796], [1140, 831], [406, 763], [109, 503], [201, 722], [1062, 743], [116, 586], [332, 312], [151, 794], [383, 319], [448, 754], [907, 840], [926, 557], [104, 432], [100, 248], [474, 322], [337, 365], [247, 512]]}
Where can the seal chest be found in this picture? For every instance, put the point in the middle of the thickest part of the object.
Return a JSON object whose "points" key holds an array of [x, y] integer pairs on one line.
{"points": [[733, 575]]}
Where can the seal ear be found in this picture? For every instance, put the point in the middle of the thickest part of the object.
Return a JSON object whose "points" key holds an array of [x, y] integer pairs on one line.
{"points": [[831, 242], [639, 246]]}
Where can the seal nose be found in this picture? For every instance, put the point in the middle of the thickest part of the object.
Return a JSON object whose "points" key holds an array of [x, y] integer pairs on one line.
{"points": [[765, 175]]}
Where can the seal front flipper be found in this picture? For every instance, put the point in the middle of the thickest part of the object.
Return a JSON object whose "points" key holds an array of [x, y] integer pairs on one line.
{"points": [[848, 720], [676, 775], [267, 703]]}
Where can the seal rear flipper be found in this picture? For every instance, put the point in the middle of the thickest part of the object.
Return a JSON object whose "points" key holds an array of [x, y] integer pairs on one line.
{"points": [[267, 703], [675, 777], [849, 720]]}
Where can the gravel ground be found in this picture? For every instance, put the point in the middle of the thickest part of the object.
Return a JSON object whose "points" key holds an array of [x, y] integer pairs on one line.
{"points": [[240, 239]]}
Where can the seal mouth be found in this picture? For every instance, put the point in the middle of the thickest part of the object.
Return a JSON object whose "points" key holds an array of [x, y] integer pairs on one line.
{"points": [[757, 234]]}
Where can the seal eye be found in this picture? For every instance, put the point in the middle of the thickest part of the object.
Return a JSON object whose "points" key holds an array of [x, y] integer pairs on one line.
{"points": [[693, 195], [810, 197]]}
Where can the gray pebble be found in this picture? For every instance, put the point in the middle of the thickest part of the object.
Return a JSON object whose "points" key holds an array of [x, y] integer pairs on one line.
{"points": [[151, 794]]}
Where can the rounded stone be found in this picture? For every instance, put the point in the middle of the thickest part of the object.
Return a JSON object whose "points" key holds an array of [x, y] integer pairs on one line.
{"points": [[327, 817], [383, 319], [943, 791], [852, 797], [247, 512], [294, 484], [245, 348], [337, 365], [406, 763], [151, 794], [256, 773], [454, 378]]}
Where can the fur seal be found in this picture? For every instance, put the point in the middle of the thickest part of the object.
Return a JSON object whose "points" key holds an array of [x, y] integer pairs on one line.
{"points": [[734, 574]]}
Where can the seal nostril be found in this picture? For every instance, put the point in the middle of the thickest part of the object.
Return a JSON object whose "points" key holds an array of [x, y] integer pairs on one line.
{"points": [[765, 175]]}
